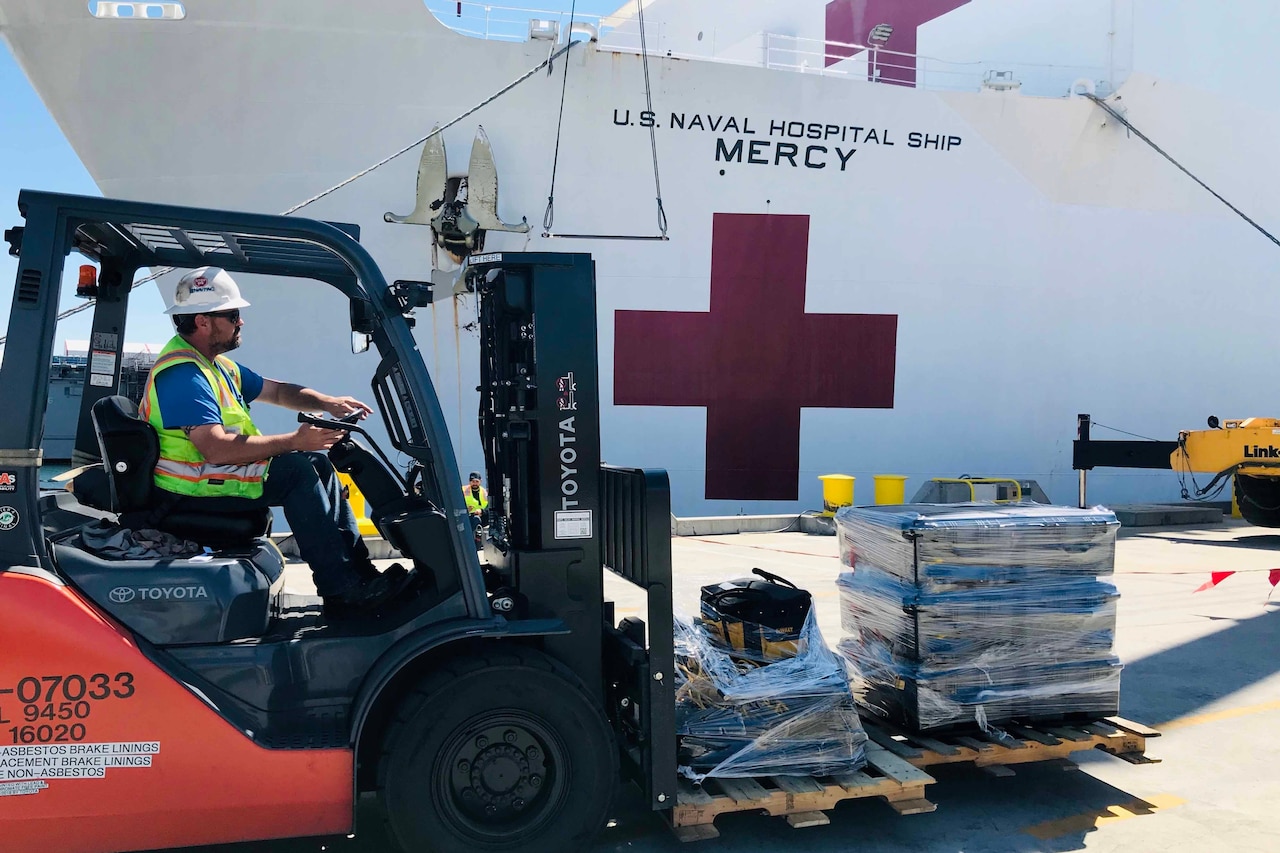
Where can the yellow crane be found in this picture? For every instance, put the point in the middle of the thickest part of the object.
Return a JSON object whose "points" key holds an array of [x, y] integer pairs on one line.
{"points": [[1244, 452]]}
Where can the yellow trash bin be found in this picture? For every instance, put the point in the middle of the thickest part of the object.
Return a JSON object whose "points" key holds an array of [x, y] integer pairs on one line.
{"points": [[837, 491], [356, 499], [891, 488]]}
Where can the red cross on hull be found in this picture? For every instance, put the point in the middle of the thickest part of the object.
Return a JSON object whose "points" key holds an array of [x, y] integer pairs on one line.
{"points": [[756, 358]]}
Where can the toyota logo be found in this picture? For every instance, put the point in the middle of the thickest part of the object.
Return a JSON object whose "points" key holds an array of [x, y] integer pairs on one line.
{"points": [[121, 595]]}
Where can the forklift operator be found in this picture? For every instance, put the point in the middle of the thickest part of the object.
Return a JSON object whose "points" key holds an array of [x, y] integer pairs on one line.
{"points": [[198, 400]]}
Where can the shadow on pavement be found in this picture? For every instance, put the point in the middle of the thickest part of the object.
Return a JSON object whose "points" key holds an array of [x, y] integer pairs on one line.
{"points": [[975, 812], [1042, 808], [1180, 680], [1256, 542]]}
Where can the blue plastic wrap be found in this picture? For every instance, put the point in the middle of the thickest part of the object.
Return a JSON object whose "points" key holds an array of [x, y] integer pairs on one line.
{"points": [[791, 717], [1063, 617], [979, 613], [984, 691], [937, 545]]}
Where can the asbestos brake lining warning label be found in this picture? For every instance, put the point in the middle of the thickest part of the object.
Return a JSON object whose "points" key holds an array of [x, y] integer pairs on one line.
{"points": [[73, 760]]}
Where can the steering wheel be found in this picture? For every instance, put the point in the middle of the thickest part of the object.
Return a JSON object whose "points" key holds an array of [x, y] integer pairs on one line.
{"points": [[319, 420], [347, 424]]}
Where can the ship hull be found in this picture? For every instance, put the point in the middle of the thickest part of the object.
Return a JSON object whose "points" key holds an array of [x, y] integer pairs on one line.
{"points": [[858, 278]]}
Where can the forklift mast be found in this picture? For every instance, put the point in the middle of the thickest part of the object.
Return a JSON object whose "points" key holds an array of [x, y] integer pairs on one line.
{"points": [[540, 428], [560, 515]]}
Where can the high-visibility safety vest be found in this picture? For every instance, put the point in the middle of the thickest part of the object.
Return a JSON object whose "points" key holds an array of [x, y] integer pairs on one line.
{"points": [[181, 468], [474, 506]]}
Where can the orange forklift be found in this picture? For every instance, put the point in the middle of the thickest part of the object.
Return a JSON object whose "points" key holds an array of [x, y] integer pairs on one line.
{"points": [[150, 703]]}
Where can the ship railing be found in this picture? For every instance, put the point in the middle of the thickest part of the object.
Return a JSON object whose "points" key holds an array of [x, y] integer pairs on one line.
{"points": [[501, 23], [875, 63], [879, 64]]}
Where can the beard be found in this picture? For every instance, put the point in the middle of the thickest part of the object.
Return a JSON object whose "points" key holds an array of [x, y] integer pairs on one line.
{"points": [[229, 344]]}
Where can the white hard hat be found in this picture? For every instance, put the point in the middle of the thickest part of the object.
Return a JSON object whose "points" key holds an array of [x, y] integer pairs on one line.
{"points": [[206, 290]]}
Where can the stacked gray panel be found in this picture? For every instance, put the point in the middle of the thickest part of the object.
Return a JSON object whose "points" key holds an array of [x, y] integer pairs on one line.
{"points": [[979, 613]]}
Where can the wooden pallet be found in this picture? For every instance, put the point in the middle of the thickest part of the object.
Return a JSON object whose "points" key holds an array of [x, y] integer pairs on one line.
{"points": [[802, 800], [1023, 744], [895, 759]]}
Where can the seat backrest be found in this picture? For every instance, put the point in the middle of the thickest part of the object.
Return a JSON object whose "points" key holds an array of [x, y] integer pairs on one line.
{"points": [[130, 450]]}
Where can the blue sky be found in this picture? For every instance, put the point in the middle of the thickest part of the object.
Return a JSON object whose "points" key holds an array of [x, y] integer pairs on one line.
{"points": [[34, 154]]}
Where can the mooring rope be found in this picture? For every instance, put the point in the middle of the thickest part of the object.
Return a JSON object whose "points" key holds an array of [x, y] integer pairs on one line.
{"points": [[1124, 121]]}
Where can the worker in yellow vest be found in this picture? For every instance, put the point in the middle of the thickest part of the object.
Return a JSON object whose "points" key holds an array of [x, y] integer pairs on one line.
{"points": [[477, 501], [213, 456]]}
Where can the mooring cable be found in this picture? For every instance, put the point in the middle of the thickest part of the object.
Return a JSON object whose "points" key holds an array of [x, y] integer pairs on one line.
{"points": [[1128, 124]]}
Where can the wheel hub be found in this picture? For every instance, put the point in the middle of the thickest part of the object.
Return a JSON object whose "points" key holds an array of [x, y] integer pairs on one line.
{"points": [[498, 772]]}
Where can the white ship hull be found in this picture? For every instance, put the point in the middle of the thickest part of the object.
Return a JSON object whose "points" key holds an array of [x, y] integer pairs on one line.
{"points": [[941, 299]]}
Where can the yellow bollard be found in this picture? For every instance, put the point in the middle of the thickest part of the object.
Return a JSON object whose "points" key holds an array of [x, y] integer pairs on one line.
{"points": [[363, 522], [891, 489], [837, 491]]}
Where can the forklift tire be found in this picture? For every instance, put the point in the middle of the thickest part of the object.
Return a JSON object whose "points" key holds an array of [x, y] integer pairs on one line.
{"points": [[499, 752], [1258, 499]]}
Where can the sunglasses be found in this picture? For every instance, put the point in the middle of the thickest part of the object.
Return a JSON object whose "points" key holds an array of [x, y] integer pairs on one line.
{"points": [[233, 315]]}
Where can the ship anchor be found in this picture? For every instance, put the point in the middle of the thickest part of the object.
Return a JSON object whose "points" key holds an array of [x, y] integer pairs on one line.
{"points": [[460, 215]]}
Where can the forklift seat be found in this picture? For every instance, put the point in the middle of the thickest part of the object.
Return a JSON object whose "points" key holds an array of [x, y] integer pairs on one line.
{"points": [[130, 449]]}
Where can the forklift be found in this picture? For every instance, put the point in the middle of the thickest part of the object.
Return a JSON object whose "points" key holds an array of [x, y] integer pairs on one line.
{"points": [[193, 701]]}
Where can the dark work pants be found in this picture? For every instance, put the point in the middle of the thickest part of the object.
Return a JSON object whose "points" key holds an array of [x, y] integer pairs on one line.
{"points": [[305, 485]]}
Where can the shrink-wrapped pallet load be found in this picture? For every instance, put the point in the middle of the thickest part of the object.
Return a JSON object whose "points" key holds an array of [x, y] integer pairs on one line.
{"points": [[979, 613], [757, 699]]}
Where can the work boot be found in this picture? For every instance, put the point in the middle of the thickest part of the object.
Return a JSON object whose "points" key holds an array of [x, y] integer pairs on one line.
{"points": [[367, 596], [368, 571]]}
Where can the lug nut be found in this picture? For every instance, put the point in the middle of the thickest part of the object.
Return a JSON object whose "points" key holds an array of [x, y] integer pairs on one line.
{"points": [[482, 742], [468, 794], [532, 753], [518, 803], [509, 737], [535, 781], [464, 766]]}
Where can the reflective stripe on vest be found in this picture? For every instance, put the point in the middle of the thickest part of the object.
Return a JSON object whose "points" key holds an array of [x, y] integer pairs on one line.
{"points": [[181, 468]]}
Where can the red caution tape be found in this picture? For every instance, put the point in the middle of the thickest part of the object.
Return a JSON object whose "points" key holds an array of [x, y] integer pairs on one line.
{"points": [[1216, 578]]}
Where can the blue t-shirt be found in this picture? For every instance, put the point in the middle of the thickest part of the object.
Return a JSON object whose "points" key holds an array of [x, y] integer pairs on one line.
{"points": [[186, 400]]}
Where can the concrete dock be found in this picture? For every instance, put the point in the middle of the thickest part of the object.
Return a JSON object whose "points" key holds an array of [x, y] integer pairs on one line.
{"points": [[1201, 667]]}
